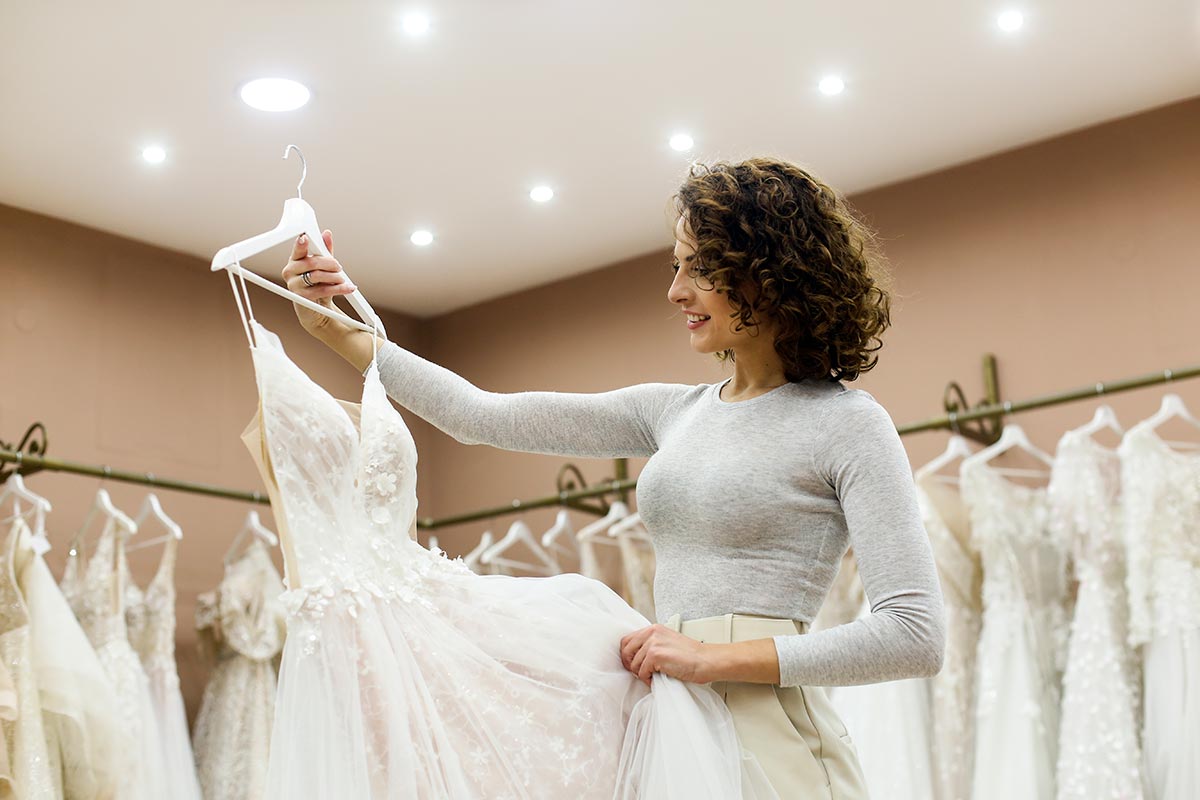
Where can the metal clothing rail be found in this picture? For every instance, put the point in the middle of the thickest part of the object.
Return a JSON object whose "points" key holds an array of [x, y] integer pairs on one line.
{"points": [[38, 463], [573, 498]]}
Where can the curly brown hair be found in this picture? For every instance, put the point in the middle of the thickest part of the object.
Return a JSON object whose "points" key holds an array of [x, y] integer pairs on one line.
{"points": [[782, 244]]}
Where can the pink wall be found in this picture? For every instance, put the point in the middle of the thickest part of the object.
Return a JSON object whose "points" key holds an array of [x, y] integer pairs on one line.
{"points": [[1072, 260]]}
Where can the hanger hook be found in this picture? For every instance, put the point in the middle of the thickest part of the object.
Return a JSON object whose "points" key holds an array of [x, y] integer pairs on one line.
{"points": [[303, 167]]}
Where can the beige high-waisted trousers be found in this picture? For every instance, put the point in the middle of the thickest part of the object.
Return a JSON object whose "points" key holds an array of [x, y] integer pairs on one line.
{"points": [[795, 734]]}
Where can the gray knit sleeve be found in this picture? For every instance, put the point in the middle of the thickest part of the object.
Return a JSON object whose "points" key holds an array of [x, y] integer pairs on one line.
{"points": [[616, 424], [859, 452]]}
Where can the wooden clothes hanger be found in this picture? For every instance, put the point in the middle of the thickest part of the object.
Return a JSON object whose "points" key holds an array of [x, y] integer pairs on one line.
{"points": [[298, 218]]}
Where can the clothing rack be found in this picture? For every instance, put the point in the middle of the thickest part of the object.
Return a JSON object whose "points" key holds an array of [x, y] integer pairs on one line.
{"points": [[29, 457]]}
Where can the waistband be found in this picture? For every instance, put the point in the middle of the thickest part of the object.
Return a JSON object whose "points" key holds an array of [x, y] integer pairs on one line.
{"points": [[729, 628]]}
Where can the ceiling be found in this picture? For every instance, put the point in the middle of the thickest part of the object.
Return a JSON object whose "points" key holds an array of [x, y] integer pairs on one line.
{"points": [[451, 130]]}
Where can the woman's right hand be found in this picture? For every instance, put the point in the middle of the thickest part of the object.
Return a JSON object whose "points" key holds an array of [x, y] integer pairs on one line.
{"points": [[328, 281]]}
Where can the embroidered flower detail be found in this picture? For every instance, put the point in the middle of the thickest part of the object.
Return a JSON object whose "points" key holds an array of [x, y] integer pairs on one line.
{"points": [[381, 516], [386, 483]]}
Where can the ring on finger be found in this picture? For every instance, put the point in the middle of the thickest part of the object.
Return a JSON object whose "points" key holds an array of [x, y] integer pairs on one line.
{"points": [[307, 282]]}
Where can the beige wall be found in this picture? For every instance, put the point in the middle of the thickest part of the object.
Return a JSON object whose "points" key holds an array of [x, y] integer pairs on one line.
{"points": [[1071, 260]]}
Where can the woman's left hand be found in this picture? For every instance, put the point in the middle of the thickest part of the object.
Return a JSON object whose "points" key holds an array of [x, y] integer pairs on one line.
{"points": [[660, 649]]}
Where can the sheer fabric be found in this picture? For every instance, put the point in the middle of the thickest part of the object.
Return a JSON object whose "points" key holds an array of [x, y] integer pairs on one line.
{"points": [[241, 628], [95, 591], [1161, 490], [406, 675], [150, 617], [28, 764], [78, 706], [952, 691], [891, 726], [1099, 750], [1022, 638]]}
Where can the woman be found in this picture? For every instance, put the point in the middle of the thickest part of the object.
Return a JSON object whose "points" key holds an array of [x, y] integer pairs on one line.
{"points": [[755, 486]]}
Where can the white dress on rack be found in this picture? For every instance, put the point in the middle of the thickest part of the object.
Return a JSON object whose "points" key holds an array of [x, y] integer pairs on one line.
{"points": [[890, 725], [1099, 756], [241, 628], [406, 675], [1161, 501], [150, 617], [952, 691], [25, 770], [78, 706], [95, 592], [1022, 638]]}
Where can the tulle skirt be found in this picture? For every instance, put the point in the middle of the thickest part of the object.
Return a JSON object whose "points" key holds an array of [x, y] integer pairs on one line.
{"points": [[178, 762], [487, 687], [1171, 742]]}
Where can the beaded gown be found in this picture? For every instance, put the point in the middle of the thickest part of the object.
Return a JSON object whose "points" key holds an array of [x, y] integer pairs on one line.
{"points": [[150, 617], [406, 675], [1099, 751], [95, 591], [1022, 638], [952, 691], [241, 628], [1161, 491]]}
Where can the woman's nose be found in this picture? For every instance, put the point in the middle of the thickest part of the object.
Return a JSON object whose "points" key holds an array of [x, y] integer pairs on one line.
{"points": [[679, 291]]}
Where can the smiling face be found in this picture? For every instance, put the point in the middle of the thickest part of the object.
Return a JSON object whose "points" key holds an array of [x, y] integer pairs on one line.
{"points": [[706, 310]]}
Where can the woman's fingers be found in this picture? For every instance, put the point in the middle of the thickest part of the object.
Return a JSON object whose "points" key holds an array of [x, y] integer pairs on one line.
{"points": [[632, 642]]}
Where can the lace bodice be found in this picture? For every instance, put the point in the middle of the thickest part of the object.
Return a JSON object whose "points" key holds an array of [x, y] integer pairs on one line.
{"points": [[336, 476], [244, 615], [1161, 534], [1099, 753], [1024, 559], [1084, 494], [1024, 568], [150, 613], [93, 587]]}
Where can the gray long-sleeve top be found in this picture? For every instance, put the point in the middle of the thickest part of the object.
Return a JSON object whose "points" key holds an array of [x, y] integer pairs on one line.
{"points": [[750, 504]]}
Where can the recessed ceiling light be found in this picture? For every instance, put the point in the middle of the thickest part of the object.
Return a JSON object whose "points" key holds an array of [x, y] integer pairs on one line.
{"points": [[154, 154], [275, 94], [681, 142], [1010, 20], [421, 238], [541, 194], [415, 24], [831, 85]]}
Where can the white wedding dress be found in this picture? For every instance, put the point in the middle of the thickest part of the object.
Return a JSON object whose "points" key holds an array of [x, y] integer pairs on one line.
{"points": [[150, 618], [1022, 640], [1161, 501], [406, 675], [1099, 756], [95, 591], [952, 691]]}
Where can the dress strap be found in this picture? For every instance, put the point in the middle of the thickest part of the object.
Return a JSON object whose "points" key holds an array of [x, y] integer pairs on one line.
{"points": [[242, 296]]}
